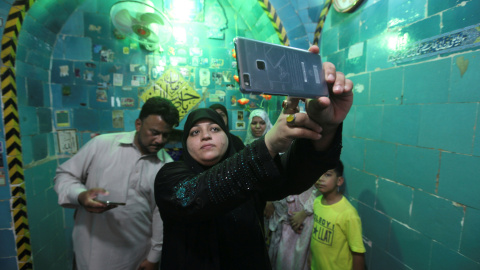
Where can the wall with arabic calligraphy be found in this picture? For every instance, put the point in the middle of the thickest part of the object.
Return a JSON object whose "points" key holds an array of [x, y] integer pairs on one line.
{"points": [[411, 140]]}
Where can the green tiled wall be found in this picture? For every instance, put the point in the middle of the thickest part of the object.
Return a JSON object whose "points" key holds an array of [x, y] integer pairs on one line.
{"points": [[411, 141]]}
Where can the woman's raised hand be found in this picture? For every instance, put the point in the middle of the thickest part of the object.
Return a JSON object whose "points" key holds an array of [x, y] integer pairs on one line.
{"points": [[279, 138]]}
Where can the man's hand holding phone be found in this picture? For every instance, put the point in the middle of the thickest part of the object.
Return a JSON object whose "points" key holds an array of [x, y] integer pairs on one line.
{"points": [[88, 200]]}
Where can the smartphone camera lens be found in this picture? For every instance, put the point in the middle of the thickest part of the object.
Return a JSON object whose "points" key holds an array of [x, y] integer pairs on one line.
{"points": [[246, 79], [260, 65]]}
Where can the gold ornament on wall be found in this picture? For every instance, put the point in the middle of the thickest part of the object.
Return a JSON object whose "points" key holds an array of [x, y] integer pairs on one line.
{"points": [[346, 5]]}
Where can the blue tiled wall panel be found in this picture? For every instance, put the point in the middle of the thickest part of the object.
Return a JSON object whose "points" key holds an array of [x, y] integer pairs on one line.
{"points": [[470, 246], [427, 82], [59, 49], [62, 71], [428, 217], [440, 126], [375, 225], [40, 146], [371, 23], [380, 158], [349, 123], [455, 168], [5, 215], [104, 6], [290, 22], [369, 121], [349, 32], [464, 87], [57, 97], [360, 186], [302, 42], [423, 29], [476, 143], [361, 89], [86, 119], [328, 41], [439, 6], [29, 71], [400, 124], [78, 48], [9, 263], [22, 96], [387, 86], [35, 97], [7, 248], [77, 97], [39, 12], [417, 167], [338, 59], [383, 260], [29, 120], [315, 10], [410, 246], [355, 64], [297, 32], [284, 10], [405, 12], [129, 117], [353, 152], [107, 123], [97, 25], [74, 25], [461, 16], [378, 51], [44, 120], [394, 199], [31, 26], [27, 149], [40, 178], [89, 6], [38, 58], [447, 258]]}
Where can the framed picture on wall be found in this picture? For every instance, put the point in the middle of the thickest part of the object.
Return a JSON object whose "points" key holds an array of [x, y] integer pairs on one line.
{"points": [[67, 141]]}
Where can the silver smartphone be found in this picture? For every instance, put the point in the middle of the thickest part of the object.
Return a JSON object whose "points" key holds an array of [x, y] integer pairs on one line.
{"points": [[266, 68], [110, 200]]}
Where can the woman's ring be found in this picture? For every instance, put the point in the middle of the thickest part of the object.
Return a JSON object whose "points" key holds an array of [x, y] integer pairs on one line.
{"points": [[291, 119]]}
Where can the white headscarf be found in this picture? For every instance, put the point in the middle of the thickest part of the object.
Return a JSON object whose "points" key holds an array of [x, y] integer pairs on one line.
{"points": [[268, 125]]}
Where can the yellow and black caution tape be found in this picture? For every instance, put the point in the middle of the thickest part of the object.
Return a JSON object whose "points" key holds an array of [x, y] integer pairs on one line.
{"points": [[277, 24], [13, 147], [321, 21]]}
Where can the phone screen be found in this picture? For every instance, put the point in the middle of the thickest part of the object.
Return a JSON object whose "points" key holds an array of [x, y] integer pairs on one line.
{"points": [[110, 200]]}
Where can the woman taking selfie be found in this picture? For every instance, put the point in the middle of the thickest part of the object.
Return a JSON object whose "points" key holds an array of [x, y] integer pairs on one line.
{"points": [[212, 202]]}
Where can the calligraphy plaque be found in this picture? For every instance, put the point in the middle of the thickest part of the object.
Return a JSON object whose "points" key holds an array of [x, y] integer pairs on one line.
{"points": [[67, 141], [465, 38], [173, 86]]}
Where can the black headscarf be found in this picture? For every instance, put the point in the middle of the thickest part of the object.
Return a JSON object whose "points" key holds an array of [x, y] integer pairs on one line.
{"points": [[192, 119], [221, 108]]}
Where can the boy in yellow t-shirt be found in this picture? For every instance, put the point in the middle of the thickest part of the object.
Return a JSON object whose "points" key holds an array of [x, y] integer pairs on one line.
{"points": [[337, 231]]}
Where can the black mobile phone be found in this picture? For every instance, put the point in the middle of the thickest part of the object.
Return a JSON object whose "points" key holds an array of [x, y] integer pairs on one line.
{"points": [[109, 200], [266, 68]]}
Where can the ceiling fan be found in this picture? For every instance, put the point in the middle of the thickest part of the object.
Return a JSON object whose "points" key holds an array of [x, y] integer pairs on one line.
{"points": [[141, 21]]}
